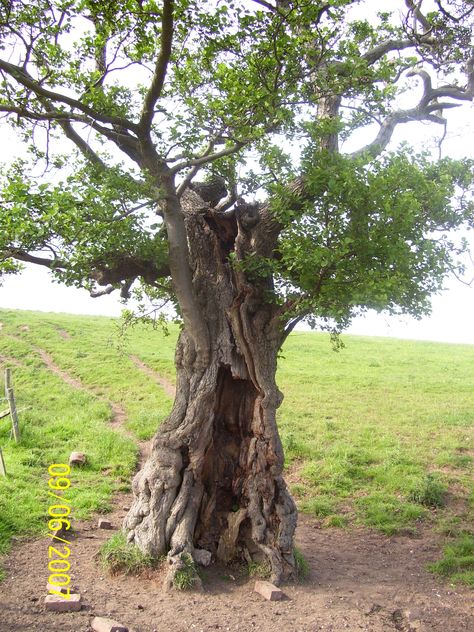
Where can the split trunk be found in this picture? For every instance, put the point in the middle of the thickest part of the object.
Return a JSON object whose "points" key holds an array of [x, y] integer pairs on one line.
{"points": [[213, 480]]}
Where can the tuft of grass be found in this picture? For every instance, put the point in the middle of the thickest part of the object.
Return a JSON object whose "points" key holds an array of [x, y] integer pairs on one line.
{"points": [[119, 556], [458, 561], [185, 578], [429, 491], [261, 570], [302, 566]]}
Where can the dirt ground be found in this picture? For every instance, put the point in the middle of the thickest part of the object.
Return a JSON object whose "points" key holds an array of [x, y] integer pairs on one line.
{"points": [[359, 580]]}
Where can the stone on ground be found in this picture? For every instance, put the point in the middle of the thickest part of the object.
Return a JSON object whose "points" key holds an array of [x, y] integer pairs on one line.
{"points": [[268, 590], [61, 589], [103, 624], [104, 524], [202, 557], [77, 458], [55, 603]]}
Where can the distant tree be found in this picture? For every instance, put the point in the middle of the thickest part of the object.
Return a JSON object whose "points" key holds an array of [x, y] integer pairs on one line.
{"points": [[206, 166]]}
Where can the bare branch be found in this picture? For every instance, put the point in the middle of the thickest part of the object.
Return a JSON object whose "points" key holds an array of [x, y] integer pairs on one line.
{"points": [[194, 171], [415, 9], [429, 108], [81, 144], [267, 5], [451, 16], [158, 81], [21, 255], [382, 49], [107, 290], [205, 159]]}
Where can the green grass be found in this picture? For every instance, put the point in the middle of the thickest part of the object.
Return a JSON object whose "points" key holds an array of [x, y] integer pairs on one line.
{"points": [[185, 578], [261, 570], [458, 561], [378, 435], [56, 418], [302, 565], [118, 556], [430, 492]]}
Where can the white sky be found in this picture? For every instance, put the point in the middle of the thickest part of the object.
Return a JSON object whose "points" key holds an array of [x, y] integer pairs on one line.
{"points": [[452, 318]]}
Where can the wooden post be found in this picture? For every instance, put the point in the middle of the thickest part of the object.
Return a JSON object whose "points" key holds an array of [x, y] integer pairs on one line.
{"points": [[3, 469], [12, 405], [8, 380]]}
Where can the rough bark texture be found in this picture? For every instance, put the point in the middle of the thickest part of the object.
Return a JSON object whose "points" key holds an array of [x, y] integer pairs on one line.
{"points": [[214, 477]]}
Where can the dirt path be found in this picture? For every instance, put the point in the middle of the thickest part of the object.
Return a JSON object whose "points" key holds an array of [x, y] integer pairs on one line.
{"points": [[359, 580], [119, 415], [166, 384]]}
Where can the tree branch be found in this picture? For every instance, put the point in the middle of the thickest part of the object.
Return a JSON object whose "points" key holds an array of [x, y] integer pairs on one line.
{"points": [[26, 80], [206, 158], [21, 255], [424, 111], [267, 5], [64, 121], [158, 80], [382, 49], [415, 9]]}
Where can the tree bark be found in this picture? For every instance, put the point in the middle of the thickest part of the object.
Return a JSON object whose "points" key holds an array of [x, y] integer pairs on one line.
{"points": [[213, 480]]}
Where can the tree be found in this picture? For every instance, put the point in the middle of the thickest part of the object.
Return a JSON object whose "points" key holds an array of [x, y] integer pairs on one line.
{"points": [[205, 167]]}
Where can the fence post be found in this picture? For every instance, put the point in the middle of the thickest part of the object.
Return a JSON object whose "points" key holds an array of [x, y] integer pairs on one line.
{"points": [[11, 403], [3, 469]]}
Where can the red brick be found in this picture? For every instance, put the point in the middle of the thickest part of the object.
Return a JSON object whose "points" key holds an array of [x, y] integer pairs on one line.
{"points": [[59, 604], [268, 590], [102, 624]]}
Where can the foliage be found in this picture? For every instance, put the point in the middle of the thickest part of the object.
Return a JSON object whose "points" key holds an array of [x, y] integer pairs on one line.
{"points": [[118, 556], [232, 86]]}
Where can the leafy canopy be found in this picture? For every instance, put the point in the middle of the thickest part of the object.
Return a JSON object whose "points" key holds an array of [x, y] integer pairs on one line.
{"points": [[113, 99]]}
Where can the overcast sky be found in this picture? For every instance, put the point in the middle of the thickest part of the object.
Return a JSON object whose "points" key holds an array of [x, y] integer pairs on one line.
{"points": [[452, 318]]}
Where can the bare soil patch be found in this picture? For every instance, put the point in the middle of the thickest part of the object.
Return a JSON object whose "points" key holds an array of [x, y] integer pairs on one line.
{"points": [[359, 581], [64, 334]]}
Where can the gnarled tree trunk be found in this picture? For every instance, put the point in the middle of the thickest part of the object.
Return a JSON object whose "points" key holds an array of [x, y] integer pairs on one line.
{"points": [[214, 480]]}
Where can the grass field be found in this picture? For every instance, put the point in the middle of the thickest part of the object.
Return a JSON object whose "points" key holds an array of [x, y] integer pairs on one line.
{"points": [[377, 435]]}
